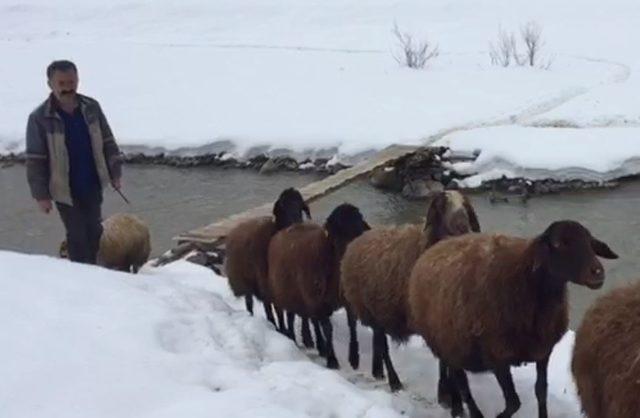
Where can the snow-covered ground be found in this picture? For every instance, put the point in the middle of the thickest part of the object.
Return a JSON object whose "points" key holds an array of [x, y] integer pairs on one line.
{"points": [[81, 341], [597, 154], [320, 74]]}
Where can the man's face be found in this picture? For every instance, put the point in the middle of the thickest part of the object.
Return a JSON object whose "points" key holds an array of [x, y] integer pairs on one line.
{"points": [[64, 85]]}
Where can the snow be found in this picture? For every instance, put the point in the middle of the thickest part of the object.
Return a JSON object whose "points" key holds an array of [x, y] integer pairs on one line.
{"points": [[82, 341], [608, 106], [598, 154], [316, 75]]}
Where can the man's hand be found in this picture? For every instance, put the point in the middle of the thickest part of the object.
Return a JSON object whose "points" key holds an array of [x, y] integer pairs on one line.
{"points": [[45, 205], [116, 183]]}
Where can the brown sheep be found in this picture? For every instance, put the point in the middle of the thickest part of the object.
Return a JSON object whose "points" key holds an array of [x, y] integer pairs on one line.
{"points": [[376, 269], [304, 270], [125, 243], [247, 246], [489, 302], [606, 356]]}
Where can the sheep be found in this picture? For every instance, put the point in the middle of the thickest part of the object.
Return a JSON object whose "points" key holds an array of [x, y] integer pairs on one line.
{"points": [[247, 245], [376, 269], [606, 356], [304, 270], [489, 302], [125, 243]]}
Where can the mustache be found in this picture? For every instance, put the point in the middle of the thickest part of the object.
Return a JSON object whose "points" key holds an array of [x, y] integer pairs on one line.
{"points": [[67, 92]]}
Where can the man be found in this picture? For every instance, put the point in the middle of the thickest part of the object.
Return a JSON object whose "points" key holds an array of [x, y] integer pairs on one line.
{"points": [[71, 156]]}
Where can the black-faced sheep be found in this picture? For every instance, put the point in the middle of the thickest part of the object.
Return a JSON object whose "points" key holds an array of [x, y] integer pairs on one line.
{"points": [[489, 302], [247, 246], [304, 269], [606, 356], [376, 269], [125, 243]]}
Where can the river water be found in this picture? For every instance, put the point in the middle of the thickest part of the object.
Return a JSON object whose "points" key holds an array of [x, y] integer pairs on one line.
{"points": [[174, 200]]}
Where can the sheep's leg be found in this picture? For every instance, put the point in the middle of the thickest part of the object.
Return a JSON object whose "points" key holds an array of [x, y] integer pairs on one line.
{"points": [[503, 374], [376, 367], [248, 301], [394, 382], [320, 345], [354, 349], [462, 384], [456, 401], [541, 387], [307, 339], [291, 321], [282, 327], [269, 312], [327, 330], [445, 389]]}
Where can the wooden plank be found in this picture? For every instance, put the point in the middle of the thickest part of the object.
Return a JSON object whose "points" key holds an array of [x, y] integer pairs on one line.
{"points": [[214, 233]]}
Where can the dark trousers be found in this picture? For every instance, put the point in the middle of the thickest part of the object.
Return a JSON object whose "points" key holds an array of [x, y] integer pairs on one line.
{"points": [[83, 223]]}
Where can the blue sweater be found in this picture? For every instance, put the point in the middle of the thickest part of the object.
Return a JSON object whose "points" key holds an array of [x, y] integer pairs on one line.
{"points": [[83, 176]]}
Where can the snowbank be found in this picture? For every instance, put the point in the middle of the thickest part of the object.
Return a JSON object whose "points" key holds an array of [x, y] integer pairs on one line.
{"points": [[300, 76], [79, 341], [598, 154], [85, 342]]}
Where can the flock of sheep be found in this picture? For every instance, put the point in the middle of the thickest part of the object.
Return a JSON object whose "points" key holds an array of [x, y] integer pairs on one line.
{"points": [[481, 302]]}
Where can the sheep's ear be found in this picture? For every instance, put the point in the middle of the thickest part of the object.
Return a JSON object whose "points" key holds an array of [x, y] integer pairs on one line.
{"points": [[602, 250], [541, 253], [277, 209], [473, 217]]}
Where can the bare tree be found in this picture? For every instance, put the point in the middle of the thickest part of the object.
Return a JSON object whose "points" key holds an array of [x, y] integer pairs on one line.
{"points": [[413, 55], [531, 35], [505, 51]]}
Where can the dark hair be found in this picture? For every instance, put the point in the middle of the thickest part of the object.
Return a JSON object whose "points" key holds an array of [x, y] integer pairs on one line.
{"points": [[60, 65]]}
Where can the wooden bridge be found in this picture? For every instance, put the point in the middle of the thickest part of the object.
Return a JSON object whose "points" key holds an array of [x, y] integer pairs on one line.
{"points": [[213, 235]]}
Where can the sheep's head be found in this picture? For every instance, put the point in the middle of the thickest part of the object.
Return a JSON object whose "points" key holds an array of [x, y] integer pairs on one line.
{"points": [[450, 214], [345, 223], [63, 250], [289, 207], [568, 252]]}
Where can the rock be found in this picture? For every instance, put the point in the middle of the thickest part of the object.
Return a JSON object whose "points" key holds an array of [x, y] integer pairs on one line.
{"points": [[421, 189], [288, 163], [386, 178], [278, 164], [269, 167], [258, 161], [209, 259], [197, 257]]}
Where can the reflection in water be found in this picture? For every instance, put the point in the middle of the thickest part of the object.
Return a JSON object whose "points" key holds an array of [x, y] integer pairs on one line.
{"points": [[174, 200]]}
